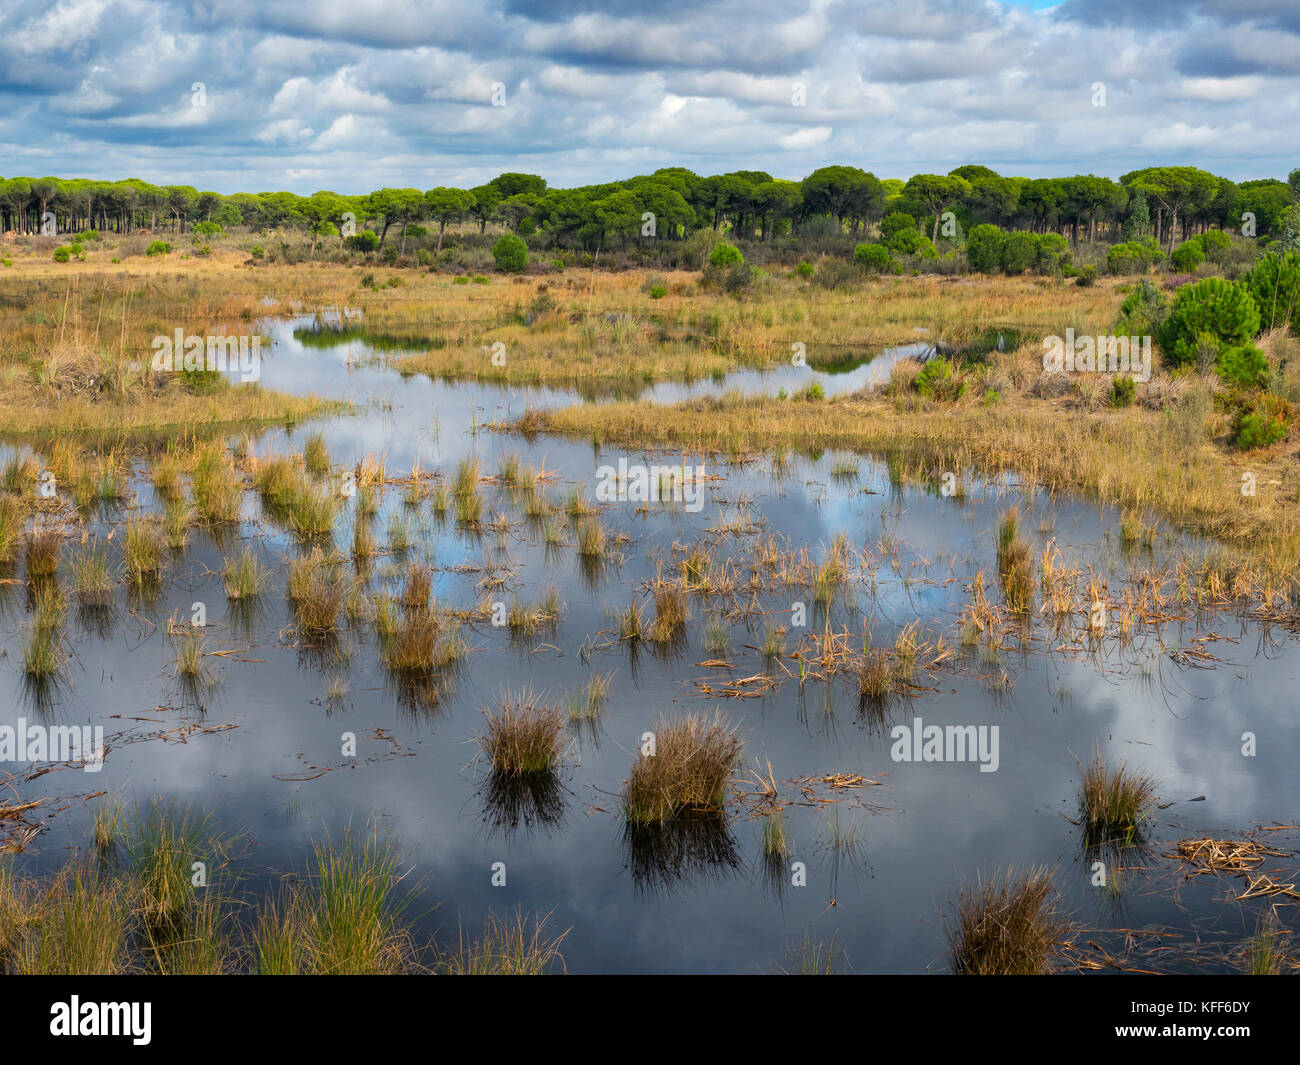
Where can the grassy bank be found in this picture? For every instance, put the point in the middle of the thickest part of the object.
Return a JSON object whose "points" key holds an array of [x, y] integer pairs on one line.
{"points": [[1170, 461], [581, 328], [76, 355]]}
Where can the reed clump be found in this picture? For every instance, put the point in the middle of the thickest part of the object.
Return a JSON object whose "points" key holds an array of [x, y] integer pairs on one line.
{"points": [[1113, 803], [524, 736], [1008, 925], [692, 761]]}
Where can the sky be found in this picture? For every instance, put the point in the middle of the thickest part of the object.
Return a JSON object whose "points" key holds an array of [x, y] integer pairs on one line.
{"points": [[352, 95]]}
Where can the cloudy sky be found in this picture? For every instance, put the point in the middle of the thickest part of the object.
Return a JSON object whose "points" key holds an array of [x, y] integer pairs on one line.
{"points": [[350, 95]]}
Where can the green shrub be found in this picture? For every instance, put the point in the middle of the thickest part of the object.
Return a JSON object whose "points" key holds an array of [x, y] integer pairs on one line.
{"points": [[1274, 283], [365, 241], [257, 251], [1143, 311], [658, 292], [894, 223], [1259, 430], [804, 269], [1019, 251], [510, 254], [724, 254], [1187, 256], [460, 279], [208, 229], [984, 248], [1244, 366], [1216, 244], [1054, 255], [158, 247], [62, 254], [1133, 256], [938, 381], [872, 256], [912, 242], [1123, 391], [815, 392], [1220, 309]]}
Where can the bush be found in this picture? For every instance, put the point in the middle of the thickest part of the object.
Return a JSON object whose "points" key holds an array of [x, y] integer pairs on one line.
{"points": [[257, 251], [1054, 256], [1220, 309], [937, 381], [1259, 430], [1019, 252], [984, 248], [1244, 366], [912, 242], [365, 241], [872, 256], [1143, 311], [1187, 256], [78, 250], [1274, 284], [735, 280], [894, 223], [63, 254], [1123, 391], [460, 279], [724, 254], [836, 273], [510, 254], [1133, 256], [804, 269], [208, 229], [658, 292], [1216, 244], [158, 247], [815, 392]]}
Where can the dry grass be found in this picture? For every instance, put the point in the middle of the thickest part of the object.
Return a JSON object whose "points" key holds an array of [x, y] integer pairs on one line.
{"points": [[692, 762], [512, 946], [1113, 802], [1008, 925], [524, 736], [70, 359]]}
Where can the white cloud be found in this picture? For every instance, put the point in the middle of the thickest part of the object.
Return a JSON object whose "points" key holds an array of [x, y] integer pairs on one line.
{"points": [[805, 138], [1221, 89]]}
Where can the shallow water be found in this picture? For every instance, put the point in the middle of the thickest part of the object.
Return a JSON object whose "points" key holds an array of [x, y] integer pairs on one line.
{"points": [[882, 864]]}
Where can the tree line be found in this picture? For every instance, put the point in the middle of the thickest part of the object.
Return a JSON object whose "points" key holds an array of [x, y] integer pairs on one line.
{"points": [[1170, 203]]}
